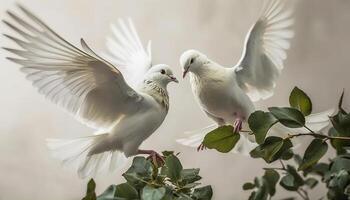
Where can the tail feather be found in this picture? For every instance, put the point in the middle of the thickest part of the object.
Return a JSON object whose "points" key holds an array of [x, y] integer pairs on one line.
{"points": [[75, 153], [317, 121], [196, 137]]}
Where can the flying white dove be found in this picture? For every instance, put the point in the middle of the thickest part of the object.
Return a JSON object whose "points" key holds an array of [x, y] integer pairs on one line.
{"points": [[226, 95], [95, 91]]}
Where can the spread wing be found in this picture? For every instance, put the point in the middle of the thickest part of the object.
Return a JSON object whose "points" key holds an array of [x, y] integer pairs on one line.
{"points": [[265, 50], [126, 51], [81, 82]]}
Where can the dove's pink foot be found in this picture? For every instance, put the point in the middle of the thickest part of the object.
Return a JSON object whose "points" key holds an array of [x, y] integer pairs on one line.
{"points": [[237, 125], [201, 147], [154, 156]]}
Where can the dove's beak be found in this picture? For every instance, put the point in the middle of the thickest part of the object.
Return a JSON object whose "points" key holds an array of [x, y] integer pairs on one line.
{"points": [[173, 78], [185, 72]]}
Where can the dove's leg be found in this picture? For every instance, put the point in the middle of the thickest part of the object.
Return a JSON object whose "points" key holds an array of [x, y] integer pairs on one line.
{"points": [[201, 147], [154, 156], [237, 125]]}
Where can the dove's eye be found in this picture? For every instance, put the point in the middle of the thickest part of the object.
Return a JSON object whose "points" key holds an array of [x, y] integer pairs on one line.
{"points": [[162, 71], [191, 61]]}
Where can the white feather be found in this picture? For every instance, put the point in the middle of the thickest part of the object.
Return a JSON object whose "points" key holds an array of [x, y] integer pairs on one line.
{"points": [[265, 49], [126, 51], [75, 153]]}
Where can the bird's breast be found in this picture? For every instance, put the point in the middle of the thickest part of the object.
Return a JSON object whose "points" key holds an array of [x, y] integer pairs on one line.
{"points": [[221, 98]]}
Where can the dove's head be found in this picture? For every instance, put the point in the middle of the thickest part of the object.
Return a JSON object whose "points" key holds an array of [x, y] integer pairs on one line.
{"points": [[161, 74], [192, 61]]}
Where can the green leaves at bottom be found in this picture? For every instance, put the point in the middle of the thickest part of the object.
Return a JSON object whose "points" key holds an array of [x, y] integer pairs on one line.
{"points": [[108, 194], [314, 152], [265, 185], [222, 139], [126, 191], [90, 192], [292, 181], [150, 193], [173, 167], [203, 193], [272, 149]]}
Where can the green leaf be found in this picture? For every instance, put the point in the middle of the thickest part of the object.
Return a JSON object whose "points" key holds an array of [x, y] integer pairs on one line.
{"points": [[271, 177], [167, 153], [340, 163], [90, 192], [289, 117], [287, 155], [222, 139], [189, 176], [248, 186], [340, 104], [311, 182], [272, 149], [320, 169], [203, 193], [174, 167], [314, 152], [150, 193], [298, 99], [292, 181], [141, 166], [338, 144], [183, 197], [140, 172], [262, 192], [341, 123], [126, 191], [108, 194], [260, 123], [340, 180]]}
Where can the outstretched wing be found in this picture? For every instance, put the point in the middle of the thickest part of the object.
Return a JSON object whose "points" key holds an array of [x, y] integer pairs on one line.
{"points": [[265, 50], [126, 51], [81, 82]]}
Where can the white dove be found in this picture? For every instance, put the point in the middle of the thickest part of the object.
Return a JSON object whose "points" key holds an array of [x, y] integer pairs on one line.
{"points": [[95, 92], [226, 95]]}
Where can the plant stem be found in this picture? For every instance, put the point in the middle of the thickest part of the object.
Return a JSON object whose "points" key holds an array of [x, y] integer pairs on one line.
{"points": [[309, 129], [302, 196], [316, 135], [275, 168], [305, 193], [283, 166]]}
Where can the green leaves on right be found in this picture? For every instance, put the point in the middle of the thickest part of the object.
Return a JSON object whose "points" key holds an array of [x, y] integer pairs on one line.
{"points": [[307, 170]]}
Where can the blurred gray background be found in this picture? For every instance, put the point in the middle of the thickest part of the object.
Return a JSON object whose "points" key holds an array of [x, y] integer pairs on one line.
{"points": [[318, 63]]}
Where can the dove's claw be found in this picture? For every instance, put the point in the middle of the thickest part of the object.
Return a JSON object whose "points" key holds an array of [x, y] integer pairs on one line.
{"points": [[237, 125], [201, 147], [155, 157]]}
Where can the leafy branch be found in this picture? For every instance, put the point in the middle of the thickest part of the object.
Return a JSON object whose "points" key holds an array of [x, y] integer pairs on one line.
{"points": [[297, 176], [148, 181]]}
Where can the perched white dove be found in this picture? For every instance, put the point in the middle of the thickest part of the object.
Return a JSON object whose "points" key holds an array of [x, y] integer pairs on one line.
{"points": [[226, 95], [95, 91]]}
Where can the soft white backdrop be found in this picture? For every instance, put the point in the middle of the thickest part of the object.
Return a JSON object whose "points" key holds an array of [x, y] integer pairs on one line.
{"points": [[318, 63]]}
